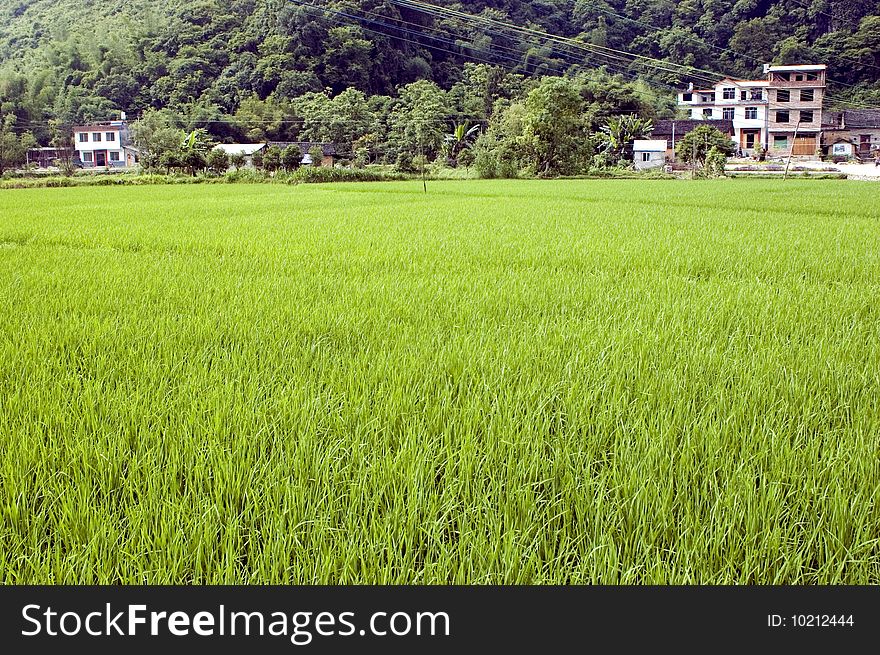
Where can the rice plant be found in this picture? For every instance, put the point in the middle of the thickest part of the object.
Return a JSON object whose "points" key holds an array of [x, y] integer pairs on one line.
{"points": [[618, 382]]}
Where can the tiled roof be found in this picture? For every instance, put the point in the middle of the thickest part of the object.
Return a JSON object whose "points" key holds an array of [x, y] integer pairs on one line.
{"points": [[329, 149], [853, 119]]}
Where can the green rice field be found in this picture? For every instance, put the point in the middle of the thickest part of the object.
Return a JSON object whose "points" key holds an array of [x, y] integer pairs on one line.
{"points": [[524, 382]]}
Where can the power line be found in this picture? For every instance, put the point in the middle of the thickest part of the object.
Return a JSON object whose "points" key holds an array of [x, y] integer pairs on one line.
{"points": [[517, 61], [690, 71], [445, 12]]}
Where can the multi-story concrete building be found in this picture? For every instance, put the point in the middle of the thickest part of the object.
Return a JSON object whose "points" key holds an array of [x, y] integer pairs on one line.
{"points": [[104, 145], [766, 113], [743, 102], [796, 97]]}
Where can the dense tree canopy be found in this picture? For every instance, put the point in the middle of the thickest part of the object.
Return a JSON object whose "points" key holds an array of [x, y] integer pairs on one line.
{"points": [[379, 76]]}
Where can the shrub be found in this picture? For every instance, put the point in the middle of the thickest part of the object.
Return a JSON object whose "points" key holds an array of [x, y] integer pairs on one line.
{"points": [[291, 158], [218, 161], [715, 163], [272, 159], [317, 155], [320, 175], [404, 163], [466, 158], [238, 160]]}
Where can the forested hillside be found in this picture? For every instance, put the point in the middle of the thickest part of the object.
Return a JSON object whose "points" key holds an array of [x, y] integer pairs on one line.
{"points": [[237, 67]]}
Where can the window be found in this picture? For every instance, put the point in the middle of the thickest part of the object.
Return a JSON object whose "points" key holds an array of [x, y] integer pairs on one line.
{"points": [[707, 113], [708, 97], [114, 156], [687, 97], [782, 116], [87, 156], [783, 95], [743, 95], [727, 113], [646, 156], [798, 78], [757, 94], [83, 137], [96, 136], [110, 136], [807, 116], [807, 95], [812, 77], [729, 93], [780, 142], [751, 113]]}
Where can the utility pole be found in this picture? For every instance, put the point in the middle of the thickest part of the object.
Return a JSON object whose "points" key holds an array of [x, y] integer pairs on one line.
{"points": [[422, 161], [791, 150]]}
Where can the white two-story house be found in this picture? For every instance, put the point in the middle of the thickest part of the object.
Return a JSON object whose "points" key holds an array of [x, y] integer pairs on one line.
{"points": [[104, 145], [744, 102]]}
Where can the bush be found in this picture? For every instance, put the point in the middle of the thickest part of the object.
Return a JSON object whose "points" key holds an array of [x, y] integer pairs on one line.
{"points": [[238, 160], [466, 158], [404, 163], [218, 161], [361, 157], [170, 161], [715, 163], [317, 155], [321, 175], [291, 158], [272, 159]]}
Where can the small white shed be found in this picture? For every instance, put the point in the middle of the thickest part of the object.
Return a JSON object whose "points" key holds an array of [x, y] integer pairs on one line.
{"points": [[649, 153]]}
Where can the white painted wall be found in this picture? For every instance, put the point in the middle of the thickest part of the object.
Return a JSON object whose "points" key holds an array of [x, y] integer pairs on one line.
{"points": [[103, 144]]}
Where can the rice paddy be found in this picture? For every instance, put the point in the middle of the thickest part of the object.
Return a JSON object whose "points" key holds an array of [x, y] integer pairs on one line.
{"points": [[525, 382]]}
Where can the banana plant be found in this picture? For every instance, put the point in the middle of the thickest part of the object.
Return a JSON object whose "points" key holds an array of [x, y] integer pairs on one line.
{"points": [[462, 137], [616, 137]]}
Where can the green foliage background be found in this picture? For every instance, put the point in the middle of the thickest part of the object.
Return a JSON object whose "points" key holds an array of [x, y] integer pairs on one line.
{"points": [[236, 67]]}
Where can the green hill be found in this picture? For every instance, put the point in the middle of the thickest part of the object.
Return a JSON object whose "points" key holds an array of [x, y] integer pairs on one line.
{"points": [[76, 60]]}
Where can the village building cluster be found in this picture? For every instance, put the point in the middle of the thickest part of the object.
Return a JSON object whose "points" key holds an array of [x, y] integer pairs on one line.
{"points": [[780, 115]]}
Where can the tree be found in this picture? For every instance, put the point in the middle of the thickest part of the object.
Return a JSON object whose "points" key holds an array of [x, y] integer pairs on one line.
{"points": [[155, 135], [171, 161], [194, 160], [696, 144], [198, 140], [193, 150], [466, 158], [347, 59], [361, 158], [460, 139], [347, 120], [237, 160], [498, 151], [62, 141], [291, 157], [418, 118], [272, 159], [615, 138], [12, 148], [316, 152], [218, 161], [555, 139], [716, 162]]}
